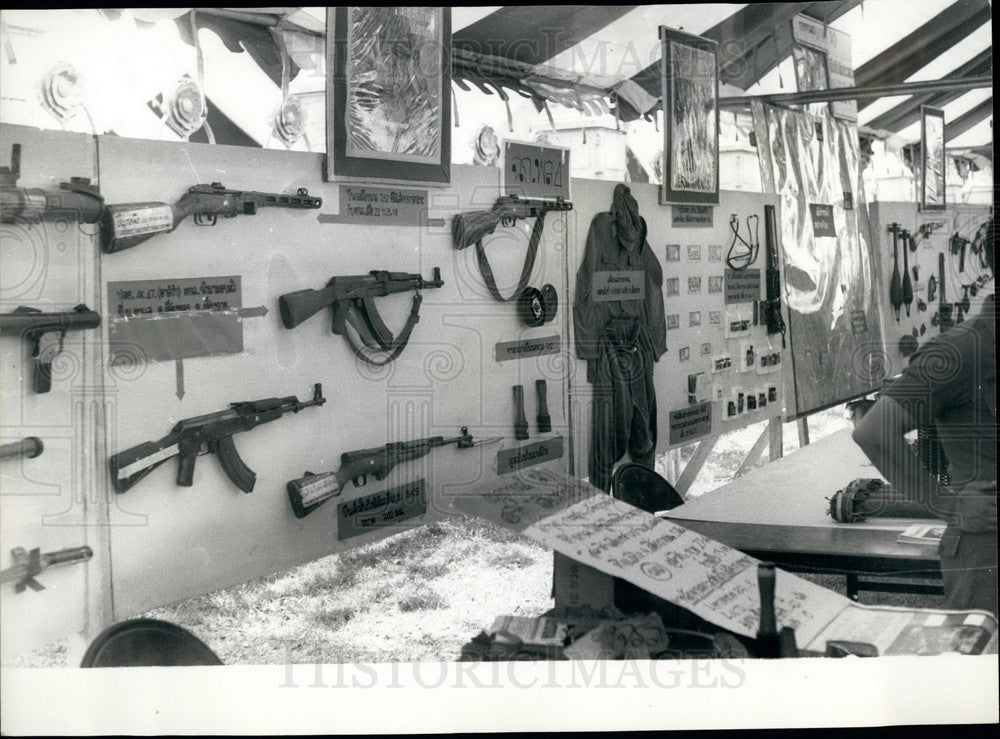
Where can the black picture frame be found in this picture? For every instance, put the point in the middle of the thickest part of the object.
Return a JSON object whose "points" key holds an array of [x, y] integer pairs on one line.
{"points": [[370, 50], [689, 70], [933, 180]]}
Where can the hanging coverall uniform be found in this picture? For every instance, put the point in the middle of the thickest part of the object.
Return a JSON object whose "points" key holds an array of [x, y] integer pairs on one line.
{"points": [[620, 339]]}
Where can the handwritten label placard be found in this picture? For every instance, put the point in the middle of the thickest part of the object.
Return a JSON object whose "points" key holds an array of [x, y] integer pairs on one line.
{"points": [[608, 286], [507, 350], [378, 510], [742, 285], [175, 318], [704, 576], [688, 424], [385, 206], [511, 460], [822, 219], [691, 216]]}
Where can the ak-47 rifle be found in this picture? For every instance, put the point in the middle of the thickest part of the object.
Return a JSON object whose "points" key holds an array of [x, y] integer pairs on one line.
{"points": [[45, 332], [129, 224], [353, 301], [308, 493], [213, 431], [470, 228], [77, 198], [772, 305], [28, 564]]}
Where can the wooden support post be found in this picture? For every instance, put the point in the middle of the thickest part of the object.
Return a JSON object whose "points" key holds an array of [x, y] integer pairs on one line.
{"points": [[694, 466], [753, 455], [775, 439], [803, 424]]}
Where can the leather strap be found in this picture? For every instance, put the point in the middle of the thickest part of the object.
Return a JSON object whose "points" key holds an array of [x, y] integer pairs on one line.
{"points": [[529, 263], [398, 344]]}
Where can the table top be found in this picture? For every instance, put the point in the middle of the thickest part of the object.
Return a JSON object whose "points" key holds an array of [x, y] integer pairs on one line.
{"points": [[780, 511]]}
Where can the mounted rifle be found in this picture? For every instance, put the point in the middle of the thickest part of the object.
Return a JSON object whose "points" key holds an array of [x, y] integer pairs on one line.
{"points": [[470, 228], [352, 300]]}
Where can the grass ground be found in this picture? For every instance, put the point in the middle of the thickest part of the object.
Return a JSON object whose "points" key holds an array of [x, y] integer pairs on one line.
{"points": [[416, 596]]}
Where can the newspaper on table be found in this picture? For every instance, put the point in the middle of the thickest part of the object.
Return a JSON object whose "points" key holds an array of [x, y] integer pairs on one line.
{"points": [[708, 578]]}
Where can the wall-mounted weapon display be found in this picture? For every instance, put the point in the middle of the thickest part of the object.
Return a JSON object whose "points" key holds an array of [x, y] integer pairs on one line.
{"points": [[213, 433], [352, 301], [772, 304], [45, 333], [534, 307], [77, 199], [130, 224], [538, 307], [27, 565], [895, 282], [907, 293], [544, 419], [309, 492], [943, 317], [28, 447], [520, 419]]}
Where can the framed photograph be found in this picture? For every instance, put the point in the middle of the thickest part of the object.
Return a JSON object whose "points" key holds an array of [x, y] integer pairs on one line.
{"points": [[694, 252], [694, 285], [684, 354], [673, 286], [673, 320], [811, 72], [706, 348], [715, 253], [389, 93], [932, 158], [673, 252], [694, 318], [689, 67], [715, 317], [715, 284]]}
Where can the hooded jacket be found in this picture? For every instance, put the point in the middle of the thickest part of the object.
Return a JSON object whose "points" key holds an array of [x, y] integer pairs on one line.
{"points": [[617, 242]]}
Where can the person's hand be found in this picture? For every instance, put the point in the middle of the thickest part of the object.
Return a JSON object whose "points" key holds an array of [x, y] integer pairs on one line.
{"points": [[976, 511]]}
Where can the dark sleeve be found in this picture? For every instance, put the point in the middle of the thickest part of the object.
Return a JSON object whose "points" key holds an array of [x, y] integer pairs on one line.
{"points": [[938, 377], [657, 322], [585, 313]]}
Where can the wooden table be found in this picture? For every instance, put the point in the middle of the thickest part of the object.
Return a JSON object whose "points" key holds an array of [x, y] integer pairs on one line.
{"points": [[779, 513]]}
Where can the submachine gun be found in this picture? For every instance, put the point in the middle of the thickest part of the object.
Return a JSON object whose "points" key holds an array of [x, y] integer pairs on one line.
{"points": [[470, 228], [353, 301], [772, 305], [129, 224], [77, 198], [308, 493], [45, 332], [213, 431]]}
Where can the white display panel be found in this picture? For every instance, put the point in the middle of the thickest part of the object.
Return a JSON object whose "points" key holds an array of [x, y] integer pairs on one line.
{"points": [[52, 501], [171, 542], [698, 253]]}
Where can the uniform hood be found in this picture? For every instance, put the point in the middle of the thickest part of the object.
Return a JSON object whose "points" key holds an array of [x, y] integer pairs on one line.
{"points": [[630, 228]]}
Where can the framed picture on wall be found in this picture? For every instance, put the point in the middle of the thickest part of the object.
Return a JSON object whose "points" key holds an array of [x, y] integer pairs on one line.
{"points": [[689, 68], [932, 158], [388, 93]]}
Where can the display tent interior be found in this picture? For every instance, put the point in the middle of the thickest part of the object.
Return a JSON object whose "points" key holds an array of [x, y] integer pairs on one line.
{"points": [[518, 333]]}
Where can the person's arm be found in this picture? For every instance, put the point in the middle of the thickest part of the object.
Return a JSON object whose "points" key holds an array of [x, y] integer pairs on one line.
{"points": [[881, 435]]}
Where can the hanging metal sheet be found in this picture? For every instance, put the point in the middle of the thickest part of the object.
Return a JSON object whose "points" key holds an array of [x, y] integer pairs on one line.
{"points": [[832, 283]]}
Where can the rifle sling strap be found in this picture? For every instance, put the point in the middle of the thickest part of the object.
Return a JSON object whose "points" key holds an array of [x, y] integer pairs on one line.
{"points": [[529, 263], [398, 344]]}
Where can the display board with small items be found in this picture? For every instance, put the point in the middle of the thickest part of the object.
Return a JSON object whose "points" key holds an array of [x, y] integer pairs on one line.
{"points": [[724, 363], [933, 271]]}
